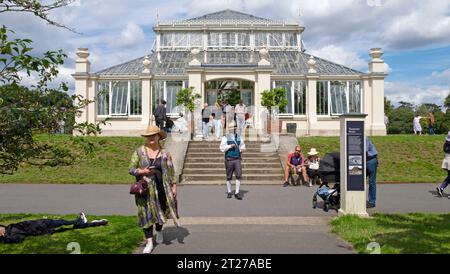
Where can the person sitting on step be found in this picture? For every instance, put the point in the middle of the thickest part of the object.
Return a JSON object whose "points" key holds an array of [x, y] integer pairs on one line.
{"points": [[295, 165]]}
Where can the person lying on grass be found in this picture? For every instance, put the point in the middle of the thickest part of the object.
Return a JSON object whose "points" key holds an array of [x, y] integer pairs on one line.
{"points": [[16, 233]]}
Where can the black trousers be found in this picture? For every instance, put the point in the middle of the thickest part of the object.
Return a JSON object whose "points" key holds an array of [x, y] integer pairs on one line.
{"points": [[148, 232]]}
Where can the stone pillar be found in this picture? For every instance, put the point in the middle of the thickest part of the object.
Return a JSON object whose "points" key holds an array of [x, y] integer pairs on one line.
{"points": [[263, 73], [195, 74], [311, 103], [146, 93], [81, 76], [376, 76]]}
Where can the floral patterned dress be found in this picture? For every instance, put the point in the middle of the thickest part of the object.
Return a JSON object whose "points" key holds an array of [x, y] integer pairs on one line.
{"points": [[149, 207]]}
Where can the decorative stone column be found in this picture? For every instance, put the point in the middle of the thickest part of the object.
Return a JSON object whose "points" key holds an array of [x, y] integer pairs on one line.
{"points": [[311, 104], [81, 76], [195, 74], [146, 93], [262, 83], [376, 96]]}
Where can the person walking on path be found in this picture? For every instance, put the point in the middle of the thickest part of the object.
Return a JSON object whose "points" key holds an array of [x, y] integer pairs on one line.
{"points": [[233, 145], [217, 120], [240, 111], [160, 114], [416, 125], [431, 123], [154, 164], [206, 113], [372, 165], [445, 166], [16, 233]]}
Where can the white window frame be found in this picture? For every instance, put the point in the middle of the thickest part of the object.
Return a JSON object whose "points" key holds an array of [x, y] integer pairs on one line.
{"points": [[109, 115], [347, 94]]}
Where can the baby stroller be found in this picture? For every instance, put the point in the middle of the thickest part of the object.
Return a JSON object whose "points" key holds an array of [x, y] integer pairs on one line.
{"points": [[329, 171]]}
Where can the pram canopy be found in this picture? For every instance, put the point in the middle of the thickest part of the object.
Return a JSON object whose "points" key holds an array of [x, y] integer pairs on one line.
{"points": [[330, 168]]}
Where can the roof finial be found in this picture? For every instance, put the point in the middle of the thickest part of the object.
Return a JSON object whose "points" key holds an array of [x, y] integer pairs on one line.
{"points": [[157, 16], [299, 16]]}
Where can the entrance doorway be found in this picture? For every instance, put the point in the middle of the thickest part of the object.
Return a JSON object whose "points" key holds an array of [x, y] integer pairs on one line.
{"points": [[229, 90]]}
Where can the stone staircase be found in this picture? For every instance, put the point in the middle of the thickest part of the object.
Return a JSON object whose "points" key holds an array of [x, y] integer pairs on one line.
{"points": [[204, 164]]}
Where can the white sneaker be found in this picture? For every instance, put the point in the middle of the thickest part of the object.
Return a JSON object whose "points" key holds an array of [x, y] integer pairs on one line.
{"points": [[159, 237], [148, 247]]}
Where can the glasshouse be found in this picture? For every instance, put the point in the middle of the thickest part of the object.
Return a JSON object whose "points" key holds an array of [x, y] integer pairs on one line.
{"points": [[229, 54]]}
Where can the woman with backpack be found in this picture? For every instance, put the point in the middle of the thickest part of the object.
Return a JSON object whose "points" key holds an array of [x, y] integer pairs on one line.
{"points": [[445, 166]]}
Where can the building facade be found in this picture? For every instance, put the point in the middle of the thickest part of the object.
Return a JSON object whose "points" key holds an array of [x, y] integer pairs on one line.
{"points": [[232, 53]]}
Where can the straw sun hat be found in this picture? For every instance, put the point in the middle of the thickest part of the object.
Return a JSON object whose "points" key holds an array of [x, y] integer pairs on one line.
{"points": [[152, 130], [313, 152]]}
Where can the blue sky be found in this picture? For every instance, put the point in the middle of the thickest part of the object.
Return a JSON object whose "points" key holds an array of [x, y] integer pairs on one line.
{"points": [[414, 34]]}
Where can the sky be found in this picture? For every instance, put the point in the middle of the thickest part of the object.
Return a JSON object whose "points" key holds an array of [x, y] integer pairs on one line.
{"points": [[414, 35]]}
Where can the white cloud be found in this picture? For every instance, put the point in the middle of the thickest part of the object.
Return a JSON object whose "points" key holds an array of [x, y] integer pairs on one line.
{"points": [[341, 56], [444, 75], [131, 36], [401, 91]]}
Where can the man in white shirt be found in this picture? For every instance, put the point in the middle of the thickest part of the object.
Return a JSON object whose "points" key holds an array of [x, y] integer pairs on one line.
{"points": [[240, 111], [233, 146]]}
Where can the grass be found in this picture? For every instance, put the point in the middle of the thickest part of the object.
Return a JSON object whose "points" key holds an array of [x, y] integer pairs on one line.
{"points": [[397, 234], [403, 158], [120, 236]]}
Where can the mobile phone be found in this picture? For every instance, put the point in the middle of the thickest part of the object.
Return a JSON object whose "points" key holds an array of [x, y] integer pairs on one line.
{"points": [[151, 167]]}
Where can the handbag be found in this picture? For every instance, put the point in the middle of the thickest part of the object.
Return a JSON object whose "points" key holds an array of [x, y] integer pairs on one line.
{"points": [[140, 187]]}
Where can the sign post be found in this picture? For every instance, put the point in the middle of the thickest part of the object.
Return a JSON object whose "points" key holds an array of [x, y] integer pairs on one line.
{"points": [[353, 165]]}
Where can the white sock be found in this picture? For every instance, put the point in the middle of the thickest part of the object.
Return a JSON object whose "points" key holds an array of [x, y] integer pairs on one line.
{"points": [[238, 185], [229, 186]]}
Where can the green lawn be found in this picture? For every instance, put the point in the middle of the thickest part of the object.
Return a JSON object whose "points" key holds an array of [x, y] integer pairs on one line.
{"points": [[120, 236], [397, 234], [403, 158]]}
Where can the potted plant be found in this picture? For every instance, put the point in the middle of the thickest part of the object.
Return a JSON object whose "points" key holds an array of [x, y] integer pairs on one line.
{"points": [[186, 97], [274, 98]]}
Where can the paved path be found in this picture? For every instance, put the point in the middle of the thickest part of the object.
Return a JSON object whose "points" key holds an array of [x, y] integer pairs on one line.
{"points": [[270, 219]]}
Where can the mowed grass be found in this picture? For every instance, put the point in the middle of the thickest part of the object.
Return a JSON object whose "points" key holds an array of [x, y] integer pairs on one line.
{"points": [[403, 158], [397, 234], [120, 236]]}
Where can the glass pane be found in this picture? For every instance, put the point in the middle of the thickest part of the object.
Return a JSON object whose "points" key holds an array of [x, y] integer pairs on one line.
{"points": [[355, 96], [166, 40], [157, 93], [287, 86], [322, 98], [299, 97], [119, 98], [228, 39], [290, 39], [102, 98], [213, 39], [135, 98], [338, 97], [172, 89], [243, 40], [276, 39], [211, 97], [247, 85], [246, 97], [196, 39], [211, 85], [180, 39], [261, 39]]}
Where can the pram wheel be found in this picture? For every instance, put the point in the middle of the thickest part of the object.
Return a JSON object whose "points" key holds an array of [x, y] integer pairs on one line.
{"points": [[326, 207], [314, 201]]}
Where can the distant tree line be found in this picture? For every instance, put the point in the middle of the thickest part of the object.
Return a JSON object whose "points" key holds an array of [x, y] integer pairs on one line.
{"points": [[401, 117]]}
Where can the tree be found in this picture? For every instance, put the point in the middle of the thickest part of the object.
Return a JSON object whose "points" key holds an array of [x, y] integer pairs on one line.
{"points": [[186, 97], [274, 98], [36, 8], [26, 112]]}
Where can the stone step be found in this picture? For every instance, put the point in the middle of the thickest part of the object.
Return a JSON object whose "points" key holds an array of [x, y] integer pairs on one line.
{"points": [[214, 171], [246, 177], [221, 154], [221, 159], [216, 149], [244, 165]]}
